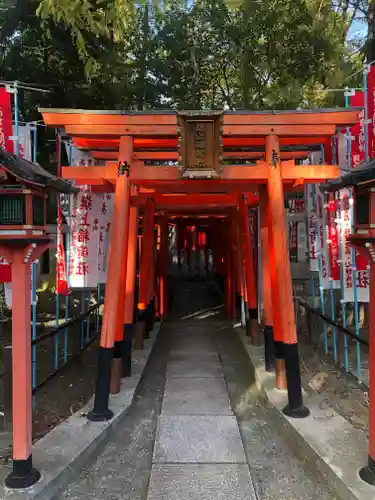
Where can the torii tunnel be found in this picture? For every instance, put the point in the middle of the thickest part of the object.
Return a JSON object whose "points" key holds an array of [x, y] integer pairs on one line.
{"points": [[199, 169]]}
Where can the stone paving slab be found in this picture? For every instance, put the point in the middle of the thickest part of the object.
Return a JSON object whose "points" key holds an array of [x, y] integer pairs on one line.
{"points": [[338, 448], [198, 439], [196, 396], [176, 355], [202, 368], [193, 344], [203, 482]]}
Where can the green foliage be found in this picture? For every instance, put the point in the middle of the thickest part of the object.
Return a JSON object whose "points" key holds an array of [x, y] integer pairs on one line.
{"points": [[180, 54]]}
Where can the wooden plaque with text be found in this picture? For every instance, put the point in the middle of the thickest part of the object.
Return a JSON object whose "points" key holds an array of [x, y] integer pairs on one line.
{"points": [[200, 145]]}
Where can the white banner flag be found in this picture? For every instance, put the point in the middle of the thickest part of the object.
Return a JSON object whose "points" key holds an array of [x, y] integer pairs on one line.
{"points": [[363, 273], [24, 143], [311, 226], [91, 215]]}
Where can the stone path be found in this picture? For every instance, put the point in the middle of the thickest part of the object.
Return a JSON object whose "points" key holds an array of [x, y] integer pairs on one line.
{"points": [[198, 450], [197, 429]]}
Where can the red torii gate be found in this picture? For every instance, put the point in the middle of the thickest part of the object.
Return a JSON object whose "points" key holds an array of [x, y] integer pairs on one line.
{"points": [[202, 184]]}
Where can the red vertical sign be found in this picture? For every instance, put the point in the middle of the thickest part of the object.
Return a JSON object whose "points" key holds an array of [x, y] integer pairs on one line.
{"points": [[61, 281], [6, 130], [293, 249], [371, 111], [357, 131], [333, 243]]}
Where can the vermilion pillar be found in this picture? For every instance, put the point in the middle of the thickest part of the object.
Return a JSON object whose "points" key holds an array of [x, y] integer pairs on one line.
{"points": [[252, 327], [129, 293], [119, 231], [116, 372], [368, 473], [163, 267], [147, 257], [23, 474], [150, 308], [269, 346], [283, 280], [180, 243], [240, 272]]}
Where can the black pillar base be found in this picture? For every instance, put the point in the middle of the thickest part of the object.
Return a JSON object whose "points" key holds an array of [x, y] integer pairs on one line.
{"points": [[117, 349], [23, 474], [254, 327], [269, 348], [149, 318], [301, 412], [279, 349], [367, 474], [101, 412], [295, 407], [248, 327], [127, 351]]}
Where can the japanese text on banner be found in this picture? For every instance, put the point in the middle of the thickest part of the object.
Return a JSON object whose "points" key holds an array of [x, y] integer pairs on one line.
{"points": [[363, 276], [91, 215]]}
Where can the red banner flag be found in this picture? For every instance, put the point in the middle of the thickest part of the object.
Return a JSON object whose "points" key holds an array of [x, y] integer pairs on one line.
{"points": [[333, 243], [61, 281], [371, 111], [358, 132], [6, 130]]}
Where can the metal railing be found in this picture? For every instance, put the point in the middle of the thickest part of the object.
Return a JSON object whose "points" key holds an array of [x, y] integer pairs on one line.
{"points": [[72, 338], [340, 343]]}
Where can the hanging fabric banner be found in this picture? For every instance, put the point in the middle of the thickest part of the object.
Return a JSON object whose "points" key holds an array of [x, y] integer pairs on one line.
{"points": [[5, 121], [7, 144], [371, 111], [322, 239], [24, 144], [343, 152], [363, 276], [293, 249], [104, 222], [358, 131], [89, 223], [61, 281], [333, 244], [296, 206], [311, 228]]}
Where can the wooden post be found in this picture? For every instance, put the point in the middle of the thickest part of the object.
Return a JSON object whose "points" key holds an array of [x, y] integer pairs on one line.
{"points": [[240, 272], [252, 326], [150, 308], [163, 267], [283, 280], [23, 474], [119, 230], [129, 293], [145, 272], [180, 244], [269, 347], [116, 369], [368, 473]]}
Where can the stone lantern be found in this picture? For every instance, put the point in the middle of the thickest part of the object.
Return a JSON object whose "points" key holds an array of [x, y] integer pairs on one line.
{"points": [[23, 239]]}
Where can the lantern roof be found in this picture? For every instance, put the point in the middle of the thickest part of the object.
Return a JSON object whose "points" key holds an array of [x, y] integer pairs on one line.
{"points": [[365, 174], [33, 174]]}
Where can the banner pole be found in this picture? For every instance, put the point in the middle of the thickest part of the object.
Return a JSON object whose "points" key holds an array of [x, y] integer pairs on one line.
{"points": [[33, 284], [67, 249], [57, 297], [16, 120], [320, 251], [365, 108]]}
